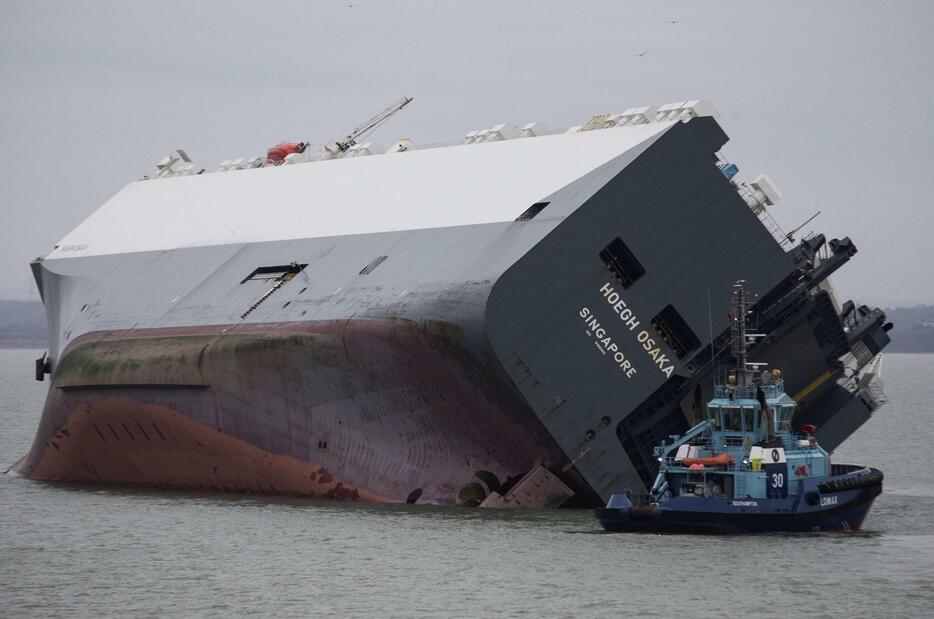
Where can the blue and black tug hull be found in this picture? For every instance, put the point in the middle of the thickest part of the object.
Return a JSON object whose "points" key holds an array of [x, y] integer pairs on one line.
{"points": [[837, 503]]}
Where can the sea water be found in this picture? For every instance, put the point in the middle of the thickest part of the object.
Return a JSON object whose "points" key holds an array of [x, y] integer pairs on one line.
{"points": [[68, 550]]}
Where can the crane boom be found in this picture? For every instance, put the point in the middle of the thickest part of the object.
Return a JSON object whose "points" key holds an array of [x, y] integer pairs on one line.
{"points": [[336, 148]]}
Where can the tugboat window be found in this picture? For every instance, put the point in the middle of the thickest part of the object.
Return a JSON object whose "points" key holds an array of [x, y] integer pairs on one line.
{"points": [[732, 420], [748, 419]]}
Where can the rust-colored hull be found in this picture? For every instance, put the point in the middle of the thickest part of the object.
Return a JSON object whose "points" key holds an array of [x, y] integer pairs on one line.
{"points": [[120, 440], [370, 410]]}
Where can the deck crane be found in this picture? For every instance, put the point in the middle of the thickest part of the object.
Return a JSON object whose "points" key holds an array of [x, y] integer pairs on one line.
{"points": [[339, 147]]}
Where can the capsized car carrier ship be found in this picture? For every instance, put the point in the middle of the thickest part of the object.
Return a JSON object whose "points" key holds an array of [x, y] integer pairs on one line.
{"points": [[516, 318]]}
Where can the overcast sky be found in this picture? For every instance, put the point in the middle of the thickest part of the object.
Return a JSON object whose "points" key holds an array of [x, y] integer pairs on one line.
{"points": [[832, 100]]}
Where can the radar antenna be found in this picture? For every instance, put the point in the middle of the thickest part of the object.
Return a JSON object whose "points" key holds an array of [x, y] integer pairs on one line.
{"points": [[339, 147]]}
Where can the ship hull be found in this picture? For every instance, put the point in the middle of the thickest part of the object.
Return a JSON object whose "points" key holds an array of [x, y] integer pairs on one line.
{"points": [[365, 410]]}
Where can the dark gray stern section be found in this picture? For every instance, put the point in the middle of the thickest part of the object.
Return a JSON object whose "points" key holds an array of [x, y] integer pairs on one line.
{"points": [[610, 310]]}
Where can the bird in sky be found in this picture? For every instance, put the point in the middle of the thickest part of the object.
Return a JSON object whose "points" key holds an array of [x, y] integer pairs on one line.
{"points": [[641, 54], [673, 21]]}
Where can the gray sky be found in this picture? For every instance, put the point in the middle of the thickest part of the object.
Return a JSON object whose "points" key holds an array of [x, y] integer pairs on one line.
{"points": [[832, 100]]}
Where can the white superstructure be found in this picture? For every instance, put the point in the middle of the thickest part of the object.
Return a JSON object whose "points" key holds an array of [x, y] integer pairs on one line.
{"points": [[479, 181]]}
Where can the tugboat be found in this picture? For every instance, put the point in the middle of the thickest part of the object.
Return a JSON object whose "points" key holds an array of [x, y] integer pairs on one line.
{"points": [[744, 469]]}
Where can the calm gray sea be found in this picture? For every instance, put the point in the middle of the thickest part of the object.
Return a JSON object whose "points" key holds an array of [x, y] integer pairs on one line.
{"points": [[80, 551]]}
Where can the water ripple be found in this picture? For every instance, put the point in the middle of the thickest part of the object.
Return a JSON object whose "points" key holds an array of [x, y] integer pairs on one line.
{"points": [[78, 550]]}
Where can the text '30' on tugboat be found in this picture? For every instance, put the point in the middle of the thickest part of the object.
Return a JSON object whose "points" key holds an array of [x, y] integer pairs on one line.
{"points": [[744, 469]]}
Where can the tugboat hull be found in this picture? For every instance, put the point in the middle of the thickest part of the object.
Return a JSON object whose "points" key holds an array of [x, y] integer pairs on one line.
{"points": [[838, 503]]}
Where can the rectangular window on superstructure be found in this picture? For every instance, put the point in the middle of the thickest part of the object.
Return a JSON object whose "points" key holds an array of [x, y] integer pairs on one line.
{"points": [[624, 265], [532, 211], [278, 273], [675, 331]]}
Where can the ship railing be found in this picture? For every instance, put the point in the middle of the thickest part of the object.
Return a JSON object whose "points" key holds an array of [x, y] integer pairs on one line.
{"points": [[773, 227], [774, 390], [704, 443], [742, 464], [868, 387], [875, 388], [872, 394], [771, 390], [761, 211], [743, 392], [737, 467], [463, 141]]}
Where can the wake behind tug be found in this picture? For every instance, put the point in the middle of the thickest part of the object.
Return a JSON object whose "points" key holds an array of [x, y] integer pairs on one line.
{"points": [[744, 469]]}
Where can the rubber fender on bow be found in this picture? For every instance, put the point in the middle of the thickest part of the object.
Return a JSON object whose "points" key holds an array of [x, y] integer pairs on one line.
{"points": [[872, 478]]}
